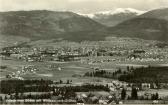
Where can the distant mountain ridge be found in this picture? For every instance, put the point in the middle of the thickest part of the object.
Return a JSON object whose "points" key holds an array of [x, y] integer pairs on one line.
{"points": [[114, 17], [152, 25], [44, 24], [157, 13]]}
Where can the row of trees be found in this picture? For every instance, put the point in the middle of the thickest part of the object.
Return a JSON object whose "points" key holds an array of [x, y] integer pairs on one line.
{"points": [[19, 87], [83, 88], [104, 73], [146, 75], [134, 95]]}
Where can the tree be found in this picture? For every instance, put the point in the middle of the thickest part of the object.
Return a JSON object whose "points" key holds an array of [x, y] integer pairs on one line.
{"points": [[128, 68], [134, 94], [68, 82], [61, 81], [107, 85], [132, 68], [16, 95], [153, 96], [119, 71], [6, 97], [0, 98], [156, 96], [123, 94]]}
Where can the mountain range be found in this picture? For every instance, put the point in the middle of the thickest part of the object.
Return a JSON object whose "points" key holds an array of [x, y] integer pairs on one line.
{"points": [[152, 25], [43, 24], [114, 17]]}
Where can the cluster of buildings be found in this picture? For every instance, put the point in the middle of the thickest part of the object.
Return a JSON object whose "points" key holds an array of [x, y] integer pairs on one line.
{"points": [[31, 54], [19, 73]]}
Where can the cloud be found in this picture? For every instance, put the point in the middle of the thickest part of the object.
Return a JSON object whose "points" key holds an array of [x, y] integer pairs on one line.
{"points": [[85, 6], [87, 0], [12, 5]]}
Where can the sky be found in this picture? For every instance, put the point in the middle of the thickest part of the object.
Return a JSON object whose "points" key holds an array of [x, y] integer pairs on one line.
{"points": [[82, 6]]}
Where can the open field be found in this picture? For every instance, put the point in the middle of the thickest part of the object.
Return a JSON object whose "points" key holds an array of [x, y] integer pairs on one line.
{"points": [[68, 69]]}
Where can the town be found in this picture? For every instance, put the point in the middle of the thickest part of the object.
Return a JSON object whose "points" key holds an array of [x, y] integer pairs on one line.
{"points": [[85, 74], [83, 52]]}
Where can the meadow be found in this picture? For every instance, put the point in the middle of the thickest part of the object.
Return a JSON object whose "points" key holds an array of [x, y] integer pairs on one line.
{"points": [[73, 70]]}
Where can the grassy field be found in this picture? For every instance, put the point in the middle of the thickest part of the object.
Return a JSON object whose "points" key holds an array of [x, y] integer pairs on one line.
{"points": [[12, 40], [68, 69]]}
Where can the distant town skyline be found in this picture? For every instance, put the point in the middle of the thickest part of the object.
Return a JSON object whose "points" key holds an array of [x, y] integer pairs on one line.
{"points": [[82, 6]]}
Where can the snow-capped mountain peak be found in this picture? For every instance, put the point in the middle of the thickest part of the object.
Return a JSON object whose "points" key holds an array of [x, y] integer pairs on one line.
{"points": [[121, 10], [115, 11], [87, 15]]}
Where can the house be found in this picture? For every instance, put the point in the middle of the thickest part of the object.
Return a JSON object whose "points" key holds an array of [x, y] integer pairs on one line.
{"points": [[155, 101], [18, 56], [80, 102], [120, 102], [103, 100], [145, 86]]}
